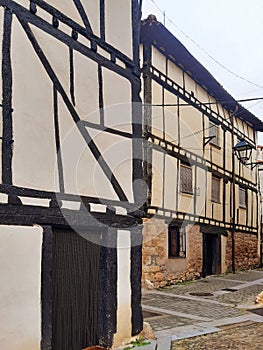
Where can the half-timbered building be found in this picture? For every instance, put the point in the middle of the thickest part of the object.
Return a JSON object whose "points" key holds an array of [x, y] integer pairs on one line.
{"points": [[202, 203], [70, 224]]}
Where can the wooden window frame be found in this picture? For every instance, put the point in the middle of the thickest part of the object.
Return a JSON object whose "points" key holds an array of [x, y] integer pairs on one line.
{"points": [[186, 187], [214, 131], [176, 242], [215, 192], [242, 205]]}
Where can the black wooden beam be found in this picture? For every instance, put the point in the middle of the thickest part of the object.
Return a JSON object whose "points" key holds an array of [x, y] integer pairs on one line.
{"points": [[57, 139], [46, 288], [174, 88], [29, 215], [107, 313], [135, 276], [7, 136], [83, 15], [83, 131], [48, 28], [102, 19]]}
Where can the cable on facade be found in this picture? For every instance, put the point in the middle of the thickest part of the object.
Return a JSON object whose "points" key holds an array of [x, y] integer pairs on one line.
{"points": [[204, 51]]}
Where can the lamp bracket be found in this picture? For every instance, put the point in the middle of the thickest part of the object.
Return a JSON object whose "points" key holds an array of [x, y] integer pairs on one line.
{"points": [[208, 139]]}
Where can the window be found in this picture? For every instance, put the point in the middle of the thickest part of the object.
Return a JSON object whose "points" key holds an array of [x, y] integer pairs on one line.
{"points": [[186, 181], [177, 242], [214, 132], [242, 197], [215, 189]]}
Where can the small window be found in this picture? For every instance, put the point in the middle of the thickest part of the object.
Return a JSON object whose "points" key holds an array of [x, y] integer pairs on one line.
{"points": [[215, 189], [186, 180], [177, 242], [214, 132], [242, 197]]}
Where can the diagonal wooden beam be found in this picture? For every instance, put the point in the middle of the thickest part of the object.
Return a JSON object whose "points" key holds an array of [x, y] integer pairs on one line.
{"points": [[83, 131], [83, 15]]}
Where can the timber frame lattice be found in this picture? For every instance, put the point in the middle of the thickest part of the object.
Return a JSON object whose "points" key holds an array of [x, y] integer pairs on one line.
{"points": [[105, 55]]}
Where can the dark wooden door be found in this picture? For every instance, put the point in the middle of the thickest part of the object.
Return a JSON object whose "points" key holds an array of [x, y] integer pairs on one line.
{"points": [[75, 291], [211, 254]]}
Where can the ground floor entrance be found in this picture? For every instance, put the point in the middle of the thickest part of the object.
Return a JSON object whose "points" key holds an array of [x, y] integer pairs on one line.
{"points": [[211, 254], [75, 291]]}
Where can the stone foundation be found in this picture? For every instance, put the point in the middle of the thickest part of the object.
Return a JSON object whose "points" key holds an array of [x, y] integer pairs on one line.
{"points": [[158, 270], [246, 251]]}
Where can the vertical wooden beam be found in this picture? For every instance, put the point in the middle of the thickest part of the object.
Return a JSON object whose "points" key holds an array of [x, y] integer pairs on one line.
{"points": [[102, 19], [224, 182], [195, 183], [46, 288], [233, 203], [147, 120], [136, 273], [203, 123], [107, 305], [72, 77], [7, 136], [101, 101]]}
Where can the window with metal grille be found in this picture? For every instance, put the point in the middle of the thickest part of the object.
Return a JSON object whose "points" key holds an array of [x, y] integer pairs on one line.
{"points": [[242, 197], [186, 179], [177, 242], [215, 189], [214, 132]]}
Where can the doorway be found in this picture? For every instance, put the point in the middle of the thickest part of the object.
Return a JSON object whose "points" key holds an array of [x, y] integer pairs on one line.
{"points": [[75, 288], [211, 254]]}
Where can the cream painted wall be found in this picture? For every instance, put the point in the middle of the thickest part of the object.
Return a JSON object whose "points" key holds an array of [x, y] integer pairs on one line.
{"points": [[157, 179], [20, 303], [123, 288], [191, 124], [201, 198], [170, 182], [158, 60], [175, 73]]}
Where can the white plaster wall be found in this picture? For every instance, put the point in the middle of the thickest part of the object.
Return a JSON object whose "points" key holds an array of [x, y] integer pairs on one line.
{"points": [[123, 288], [118, 25], [68, 8], [20, 303], [34, 159], [117, 101]]}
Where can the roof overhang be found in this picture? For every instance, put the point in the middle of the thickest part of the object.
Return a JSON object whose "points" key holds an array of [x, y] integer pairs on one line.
{"points": [[155, 33]]}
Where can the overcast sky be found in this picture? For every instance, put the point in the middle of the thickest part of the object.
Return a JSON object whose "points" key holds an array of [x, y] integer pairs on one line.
{"points": [[231, 31]]}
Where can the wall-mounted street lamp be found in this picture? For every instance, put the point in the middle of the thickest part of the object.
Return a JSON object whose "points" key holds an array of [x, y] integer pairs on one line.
{"points": [[243, 151]]}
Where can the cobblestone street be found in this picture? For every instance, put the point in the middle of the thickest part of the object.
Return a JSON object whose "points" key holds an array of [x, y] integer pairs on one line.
{"points": [[216, 312], [235, 337]]}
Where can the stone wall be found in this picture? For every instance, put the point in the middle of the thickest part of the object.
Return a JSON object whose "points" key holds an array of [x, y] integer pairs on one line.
{"points": [[246, 251], [158, 270]]}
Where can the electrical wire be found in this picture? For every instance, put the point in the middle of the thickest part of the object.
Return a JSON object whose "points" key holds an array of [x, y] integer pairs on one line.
{"points": [[205, 51]]}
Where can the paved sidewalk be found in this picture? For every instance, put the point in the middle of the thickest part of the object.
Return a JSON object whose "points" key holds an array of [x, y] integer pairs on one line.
{"points": [[204, 306]]}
